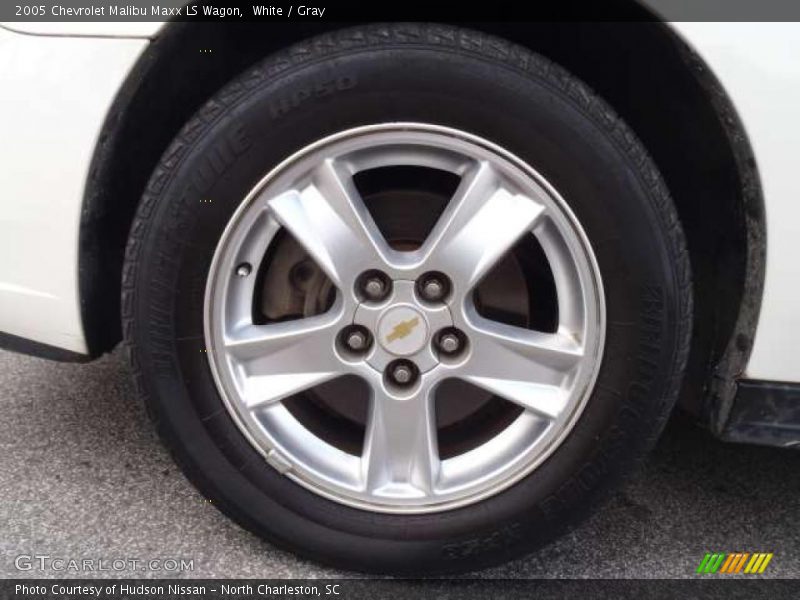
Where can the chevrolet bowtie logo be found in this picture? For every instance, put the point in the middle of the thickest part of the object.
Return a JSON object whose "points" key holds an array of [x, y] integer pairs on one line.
{"points": [[402, 329]]}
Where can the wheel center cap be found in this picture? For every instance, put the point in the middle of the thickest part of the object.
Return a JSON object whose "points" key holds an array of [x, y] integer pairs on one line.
{"points": [[402, 330]]}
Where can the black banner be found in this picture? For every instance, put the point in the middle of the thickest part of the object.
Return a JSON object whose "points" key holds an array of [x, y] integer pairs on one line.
{"points": [[255, 10], [391, 589]]}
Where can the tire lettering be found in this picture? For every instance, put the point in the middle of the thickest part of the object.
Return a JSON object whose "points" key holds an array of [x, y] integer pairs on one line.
{"points": [[322, 89]]}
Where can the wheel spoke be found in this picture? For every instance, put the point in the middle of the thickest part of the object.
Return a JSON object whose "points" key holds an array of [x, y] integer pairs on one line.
{"points": [[481, 223], [282, 359], [525, 367], [569, 291], [400, 452], [328, 218]]}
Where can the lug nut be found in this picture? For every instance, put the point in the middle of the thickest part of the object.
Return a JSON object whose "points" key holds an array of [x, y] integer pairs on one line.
{"points": [[433, 287], [373, 286], [450, 341], [243, 270], [402, 372], [355, 338]]}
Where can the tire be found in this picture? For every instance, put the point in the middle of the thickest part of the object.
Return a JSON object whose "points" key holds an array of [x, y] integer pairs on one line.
{"points": [[408, 73]]}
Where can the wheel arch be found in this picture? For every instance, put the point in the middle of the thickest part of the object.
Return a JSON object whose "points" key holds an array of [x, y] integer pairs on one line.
{"points": [[699, 145]]}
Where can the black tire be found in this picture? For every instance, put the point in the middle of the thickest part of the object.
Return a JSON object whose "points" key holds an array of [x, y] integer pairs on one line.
{"points": [[422, 73]]}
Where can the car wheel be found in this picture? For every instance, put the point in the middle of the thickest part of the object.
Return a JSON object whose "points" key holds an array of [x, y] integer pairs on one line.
{"points": [[407, 299]]}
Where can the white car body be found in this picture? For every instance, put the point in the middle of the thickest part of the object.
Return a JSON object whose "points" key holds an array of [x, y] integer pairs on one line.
{"points": [[58, 81]]}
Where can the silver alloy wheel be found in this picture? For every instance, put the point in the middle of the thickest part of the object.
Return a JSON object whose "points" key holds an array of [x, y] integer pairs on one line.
{"points": [[499, 199]]}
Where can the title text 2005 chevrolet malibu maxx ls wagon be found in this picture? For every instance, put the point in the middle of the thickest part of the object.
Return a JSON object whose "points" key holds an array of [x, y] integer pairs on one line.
{"points": [[411, 298]]}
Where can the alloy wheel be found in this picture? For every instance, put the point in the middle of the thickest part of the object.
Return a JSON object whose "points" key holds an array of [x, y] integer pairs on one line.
{"points": [[403, 321]]}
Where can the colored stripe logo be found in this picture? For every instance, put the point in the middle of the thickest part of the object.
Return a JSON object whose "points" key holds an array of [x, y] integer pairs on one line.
{"points": [[735, 562]]}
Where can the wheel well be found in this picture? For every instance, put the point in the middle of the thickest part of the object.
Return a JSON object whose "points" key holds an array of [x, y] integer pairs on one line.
{"points": [[639, 68]]}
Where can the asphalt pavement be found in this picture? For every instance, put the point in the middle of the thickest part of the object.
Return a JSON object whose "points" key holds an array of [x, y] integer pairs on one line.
{"points": [[82, 475]]}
